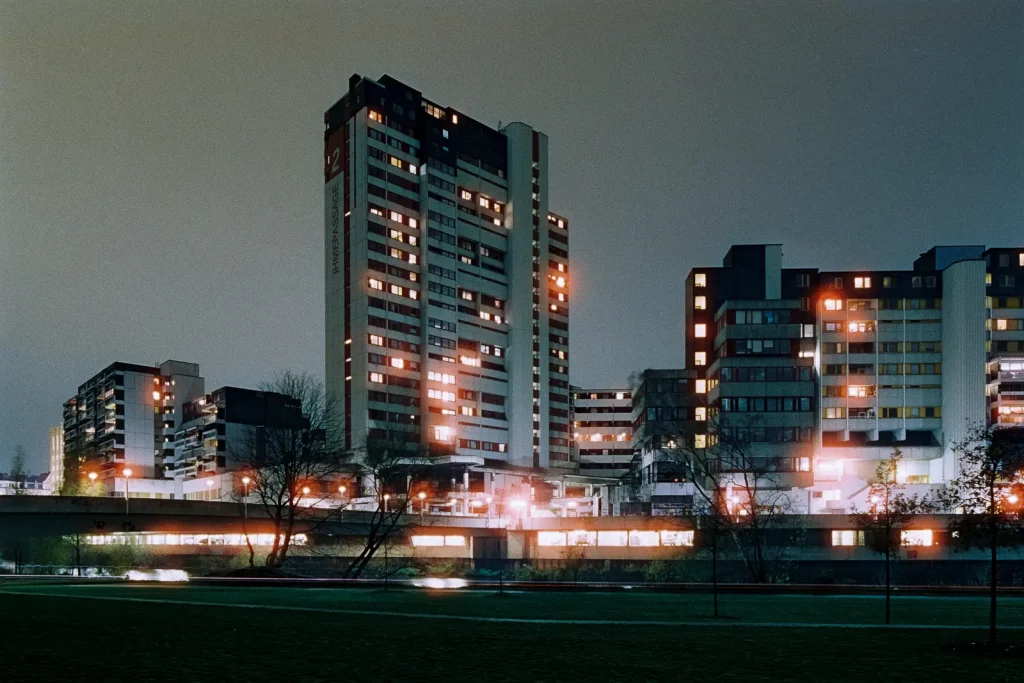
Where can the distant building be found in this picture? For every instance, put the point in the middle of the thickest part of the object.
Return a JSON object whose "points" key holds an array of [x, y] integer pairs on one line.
{"points": [[602, 431], [56, 478], [124, 417], [665, 409], [27, 484], [217, 427]]}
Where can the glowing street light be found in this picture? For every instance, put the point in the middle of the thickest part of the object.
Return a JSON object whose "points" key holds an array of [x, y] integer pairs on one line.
{"points": [[127, 475], [92, 476], [341, 490], [1012, 499]]}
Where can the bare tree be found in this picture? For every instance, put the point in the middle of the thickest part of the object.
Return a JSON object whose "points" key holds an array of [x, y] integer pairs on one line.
{"points": [[890, 511], [741, 492], [987, 494], [391, 470], [18, 470], [295, 453]]}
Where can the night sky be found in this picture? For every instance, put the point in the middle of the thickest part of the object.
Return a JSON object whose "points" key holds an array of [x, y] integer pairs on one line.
{"points": [[161, 170]]}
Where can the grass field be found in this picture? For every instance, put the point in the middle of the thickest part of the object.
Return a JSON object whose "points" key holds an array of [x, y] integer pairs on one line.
{"points": [[185, 633]]}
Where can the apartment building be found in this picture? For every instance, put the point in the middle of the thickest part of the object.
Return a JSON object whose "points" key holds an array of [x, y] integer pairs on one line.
{"points": [[56, 478], [668, 412], [123, 420], [220, 427], [602, 431], [836, 369], [447, 295]]}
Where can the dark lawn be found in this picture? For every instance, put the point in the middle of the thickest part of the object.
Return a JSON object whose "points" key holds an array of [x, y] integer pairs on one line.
{"points": [[62, 638]]}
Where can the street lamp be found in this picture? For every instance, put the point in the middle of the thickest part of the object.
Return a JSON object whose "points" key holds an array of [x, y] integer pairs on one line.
{"points": [[423, 504], [387, 497], [127, 476], [341, 490], [245, 506]]}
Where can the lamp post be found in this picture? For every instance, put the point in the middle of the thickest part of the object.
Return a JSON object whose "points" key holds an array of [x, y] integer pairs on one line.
{"points": [[245, 504], [423, 504], [127, 476], [92, 483]]}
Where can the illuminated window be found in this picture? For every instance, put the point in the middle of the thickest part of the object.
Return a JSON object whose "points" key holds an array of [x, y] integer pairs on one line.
{"points": [[921, 537], [620, 395], [412, 259], [485, 202], [375, 116], [427, 541], [858, 391], [677, 538], [551, 538], [398, 363], [412, 224], [469, 360], [833, 304], [700, 280], [596, 437], [862, 282], [376, 212], [700, 413], [581, 537], [1001, 324], [700, 358], [700, 440], [455, 118], [443, 433], [847, 537], [466, 410], [377, 377], [376, 284], [612, 538], [700, 302], [700, 386], [1020, 259], [466, 194], [395, 216], [467, 295], [560, 281], [644, 539], [412, 169], [700, 330], [395, 289], [446, 396]]}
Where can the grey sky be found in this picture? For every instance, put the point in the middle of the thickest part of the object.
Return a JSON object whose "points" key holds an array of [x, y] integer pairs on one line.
{"points": [[161, 185]]}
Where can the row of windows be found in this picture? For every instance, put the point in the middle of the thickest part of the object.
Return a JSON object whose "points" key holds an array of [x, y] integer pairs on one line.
{"points": [[770, 404], [888, 281], [1001, 324], [393, 325], [397, 344], [1004, 302], [397, 399], [883, 369], [384, 378], [743, 347], [883, 347], [774, 435], [780, 374], [483, 445], [762, 317], [393, 307], [397, 290], [839, 412]]}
